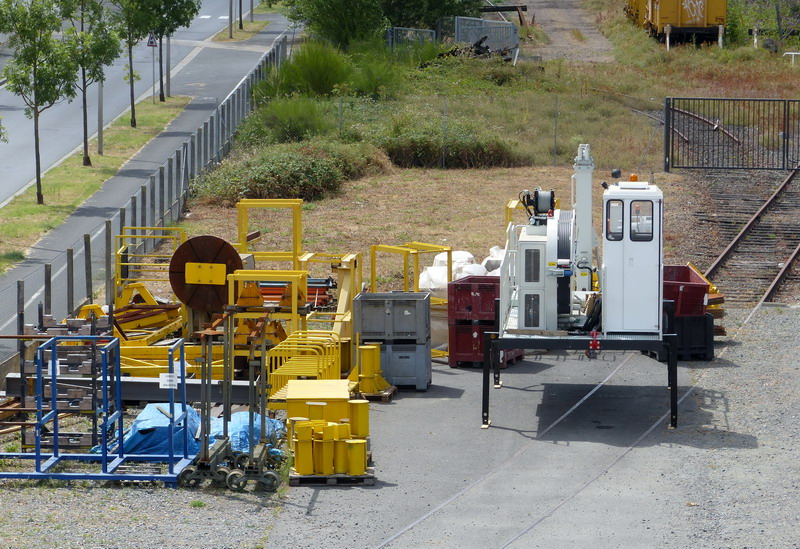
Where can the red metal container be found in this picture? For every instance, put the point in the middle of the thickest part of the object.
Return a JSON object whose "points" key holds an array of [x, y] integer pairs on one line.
{"points": [[687, 289], [472, 298], [465, 345]]}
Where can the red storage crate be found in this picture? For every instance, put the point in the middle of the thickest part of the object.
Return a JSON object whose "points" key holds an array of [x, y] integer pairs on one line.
{"points": [[472, 298], [466, 345], [687, 289]]}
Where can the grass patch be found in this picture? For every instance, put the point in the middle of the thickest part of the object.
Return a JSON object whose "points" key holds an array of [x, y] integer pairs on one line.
{"points": [[577, 35], [197, 504], [270, 7], [68, 185], [251, 28]]}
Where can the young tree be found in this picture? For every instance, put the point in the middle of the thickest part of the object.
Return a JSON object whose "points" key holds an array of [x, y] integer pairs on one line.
{"points": [[167, 16], [95, 44], [132, 24], [340, 21], [41, 69]]}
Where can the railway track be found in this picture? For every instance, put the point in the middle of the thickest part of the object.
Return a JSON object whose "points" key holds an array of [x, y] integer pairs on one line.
{"points": [[760, 256]]}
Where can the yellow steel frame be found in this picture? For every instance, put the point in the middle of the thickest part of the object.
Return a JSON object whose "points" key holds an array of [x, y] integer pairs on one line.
{"points": [[349, 281], [243, 208], [141, 262], [299, 284], [409, 250], [303, 354]]}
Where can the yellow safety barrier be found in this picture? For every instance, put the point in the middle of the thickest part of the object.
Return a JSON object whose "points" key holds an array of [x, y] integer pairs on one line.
{"points": [[303, 354]]}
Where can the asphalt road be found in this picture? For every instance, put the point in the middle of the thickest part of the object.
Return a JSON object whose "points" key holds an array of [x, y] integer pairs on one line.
{"points": [[203, 70]]}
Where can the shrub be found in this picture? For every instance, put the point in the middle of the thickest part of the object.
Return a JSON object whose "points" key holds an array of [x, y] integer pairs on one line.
{"points": [[299, 170], [376, 78], [412, 144]]}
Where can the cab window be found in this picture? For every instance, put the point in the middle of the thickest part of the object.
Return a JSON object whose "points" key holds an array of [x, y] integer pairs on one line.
{"points": [[614, 220], [641, 220]]}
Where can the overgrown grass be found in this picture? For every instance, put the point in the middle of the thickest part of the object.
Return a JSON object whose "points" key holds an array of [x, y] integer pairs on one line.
{"points": [[67, 185]]}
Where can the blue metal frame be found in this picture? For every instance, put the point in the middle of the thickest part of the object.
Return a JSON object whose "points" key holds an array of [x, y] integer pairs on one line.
{"points": [[110, 459]]}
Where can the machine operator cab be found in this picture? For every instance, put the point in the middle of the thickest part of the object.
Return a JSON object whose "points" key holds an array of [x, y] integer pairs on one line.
{"points": [[631, 275]]}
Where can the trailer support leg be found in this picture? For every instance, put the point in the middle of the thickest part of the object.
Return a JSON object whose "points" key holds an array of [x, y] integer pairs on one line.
{"points": [[670, 343]]}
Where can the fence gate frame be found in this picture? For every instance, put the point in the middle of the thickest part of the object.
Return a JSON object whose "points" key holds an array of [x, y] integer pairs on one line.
{"points": [[731, 133]]}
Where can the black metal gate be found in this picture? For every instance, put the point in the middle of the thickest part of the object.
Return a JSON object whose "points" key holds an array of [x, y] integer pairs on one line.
{"points": [[747, 134]]}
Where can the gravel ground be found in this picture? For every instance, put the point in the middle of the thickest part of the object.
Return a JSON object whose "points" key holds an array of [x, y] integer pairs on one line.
{"points": [[727, 477]]}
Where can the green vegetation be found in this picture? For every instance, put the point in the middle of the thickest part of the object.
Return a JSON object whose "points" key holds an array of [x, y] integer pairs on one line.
{"points": [[70, 183], [197, 504]]}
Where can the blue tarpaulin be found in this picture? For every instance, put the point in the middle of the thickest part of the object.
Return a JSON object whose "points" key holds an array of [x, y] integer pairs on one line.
{"points": [[149, 433]]}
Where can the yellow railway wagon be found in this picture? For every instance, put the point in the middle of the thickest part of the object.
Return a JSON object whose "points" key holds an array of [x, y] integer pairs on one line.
{"points": [[685, 17]]}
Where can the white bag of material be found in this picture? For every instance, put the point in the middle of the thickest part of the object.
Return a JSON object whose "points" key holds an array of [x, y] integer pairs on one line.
{"points": [[460, 257], [434, 280], [495, 257], [469, 270]]}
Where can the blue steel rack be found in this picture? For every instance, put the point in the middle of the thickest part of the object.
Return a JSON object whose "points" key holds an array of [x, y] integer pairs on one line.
{"points": [[111, 455]]}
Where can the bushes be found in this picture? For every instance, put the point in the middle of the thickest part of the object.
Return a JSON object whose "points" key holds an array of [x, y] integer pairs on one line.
{"points": [[285, 121], [410, 143], [316, 69], [289, 171]]}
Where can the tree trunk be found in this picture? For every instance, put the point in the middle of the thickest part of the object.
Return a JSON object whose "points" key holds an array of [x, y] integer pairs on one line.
{"points": [[130, 81], [241, 24], [86, 160], [778, 21], [39, 195], [161, 68]]}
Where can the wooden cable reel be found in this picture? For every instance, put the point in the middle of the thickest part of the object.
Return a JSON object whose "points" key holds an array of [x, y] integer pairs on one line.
{"points": [[198, 272]]}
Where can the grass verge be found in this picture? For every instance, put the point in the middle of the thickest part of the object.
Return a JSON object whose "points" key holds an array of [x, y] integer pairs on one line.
{"points": [[251, 28], [69, 184]]}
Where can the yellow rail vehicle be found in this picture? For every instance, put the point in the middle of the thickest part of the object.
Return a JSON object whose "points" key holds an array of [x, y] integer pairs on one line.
{"points": [[683, 17]]}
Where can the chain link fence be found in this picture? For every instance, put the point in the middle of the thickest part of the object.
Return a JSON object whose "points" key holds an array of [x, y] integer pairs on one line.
{"points": [[84, 271]]}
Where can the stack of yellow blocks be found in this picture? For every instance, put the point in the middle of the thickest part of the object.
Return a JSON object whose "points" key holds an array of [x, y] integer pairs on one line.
{"points": [[325, 448]]}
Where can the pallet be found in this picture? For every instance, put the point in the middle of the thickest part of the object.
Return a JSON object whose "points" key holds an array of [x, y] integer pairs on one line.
{"points": [[367, 479], [384, 396]]}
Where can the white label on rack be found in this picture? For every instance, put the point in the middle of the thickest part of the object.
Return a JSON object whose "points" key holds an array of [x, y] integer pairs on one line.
{"points": [[167, 381]]}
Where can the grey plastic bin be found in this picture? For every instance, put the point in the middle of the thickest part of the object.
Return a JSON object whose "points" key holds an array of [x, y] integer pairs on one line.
{"points": [[407, 364], [396, 317]]}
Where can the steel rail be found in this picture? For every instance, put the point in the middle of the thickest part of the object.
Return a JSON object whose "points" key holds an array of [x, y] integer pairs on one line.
{"points": [[716, 124], [781, 276], [726, 253]]}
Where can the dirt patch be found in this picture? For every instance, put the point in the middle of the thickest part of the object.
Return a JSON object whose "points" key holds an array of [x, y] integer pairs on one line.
{"points": [[572, 32]]}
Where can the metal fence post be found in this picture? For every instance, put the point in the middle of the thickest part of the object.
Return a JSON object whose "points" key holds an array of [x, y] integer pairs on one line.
{"points": [[23, 386], [87, 262], [145, 244], [184, 174], [165, 180], [134, 243], [199, 151], [193, 153], [70, 282], [122, 212], [667, 132], [174, 213], [153, 201], [48, 288], [109, 264], [206, 146]]}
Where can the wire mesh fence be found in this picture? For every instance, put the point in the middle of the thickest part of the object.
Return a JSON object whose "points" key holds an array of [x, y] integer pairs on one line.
{"points": [[403, 36], [82, 272], [500, 35]]}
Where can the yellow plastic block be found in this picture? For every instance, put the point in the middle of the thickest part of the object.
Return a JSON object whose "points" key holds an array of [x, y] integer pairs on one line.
{"points": [[359, 418], [357, 457], [206, 273], [316, 410], [334, 392], [304, 457]]}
